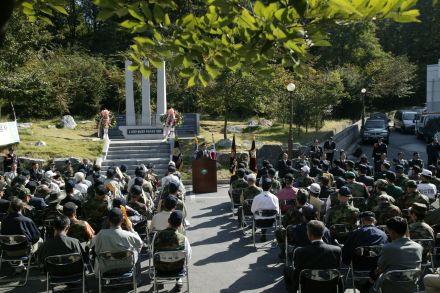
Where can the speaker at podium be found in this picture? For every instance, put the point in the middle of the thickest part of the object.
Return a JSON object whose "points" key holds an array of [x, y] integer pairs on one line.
{"points": [[204, 175]]}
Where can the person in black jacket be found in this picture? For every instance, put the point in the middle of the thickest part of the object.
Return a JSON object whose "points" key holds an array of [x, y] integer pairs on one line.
{"points": [[282, 166], [16, 224], [432, 150], [317, 255]]}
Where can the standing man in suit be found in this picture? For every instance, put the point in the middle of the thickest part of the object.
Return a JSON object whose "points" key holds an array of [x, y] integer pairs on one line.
{"points": [[329, 149], [401, 254], [317, 255], [282, 166]]}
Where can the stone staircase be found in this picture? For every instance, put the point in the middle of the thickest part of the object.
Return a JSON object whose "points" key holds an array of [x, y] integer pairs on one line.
{"points": [[132, 153]]}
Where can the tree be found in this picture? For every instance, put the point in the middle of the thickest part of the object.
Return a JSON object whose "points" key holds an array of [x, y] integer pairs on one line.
{"points": [[231, 34]]}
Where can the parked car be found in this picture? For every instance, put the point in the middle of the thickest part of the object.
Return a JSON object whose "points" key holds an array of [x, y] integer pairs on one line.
{"points": [[405, 121], [428, 126], [375, 129], [381, 116]]}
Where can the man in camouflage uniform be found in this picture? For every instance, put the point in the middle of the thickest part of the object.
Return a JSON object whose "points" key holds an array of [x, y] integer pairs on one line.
{"points": [[385, 209], [418, 229], [28, 210], [332, 199], [304, 180], [171, 239], [380, 187], [136, 204], [79, 229], [343, 212], [395, 191], [248, 193], [434, 179], [97, 208], [276, 185], [411, 196], [358, 189], [240, 182], [401, 177]]}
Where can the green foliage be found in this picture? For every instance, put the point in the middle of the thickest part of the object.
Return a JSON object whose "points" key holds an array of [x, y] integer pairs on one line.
{"points": [[231, 35], [56, 82]]}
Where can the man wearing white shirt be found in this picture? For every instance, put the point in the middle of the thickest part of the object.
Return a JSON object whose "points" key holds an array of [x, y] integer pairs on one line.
{"points": [[9, 176], [172, 177], [425, 187], [265, 201], [80, 185]]}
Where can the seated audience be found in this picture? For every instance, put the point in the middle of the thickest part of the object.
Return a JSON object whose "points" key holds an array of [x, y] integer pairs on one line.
{"points": [[316, 255], [170, 239], [79, 229]]}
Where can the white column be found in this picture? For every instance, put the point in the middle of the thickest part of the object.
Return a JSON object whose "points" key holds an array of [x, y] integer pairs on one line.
{"points": [[146, 107], [161, 92], [130, 117]]}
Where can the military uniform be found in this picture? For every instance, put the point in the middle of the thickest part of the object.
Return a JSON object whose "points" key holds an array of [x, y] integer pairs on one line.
{"points": [[385, 211], [358, 189], [420, 230], [250, 192], [395, 191], [239, 183], [166, 240], [436, 181], [80, 230], [401, 181], [407, 200], [367, 180], [95, 211], [343, 214]]}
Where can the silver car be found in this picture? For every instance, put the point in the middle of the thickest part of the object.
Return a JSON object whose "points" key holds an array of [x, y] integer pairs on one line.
{"points": [[405, 121]]}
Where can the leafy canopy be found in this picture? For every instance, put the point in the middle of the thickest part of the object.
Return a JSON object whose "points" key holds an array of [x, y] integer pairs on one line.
{"points": [[229, 34]]}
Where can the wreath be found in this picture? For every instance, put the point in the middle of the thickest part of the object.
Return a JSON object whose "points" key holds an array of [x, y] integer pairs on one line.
{"points": [[112, 119], [178, 121]]}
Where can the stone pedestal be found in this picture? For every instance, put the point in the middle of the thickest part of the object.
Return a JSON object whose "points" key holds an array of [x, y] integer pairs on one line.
{"points": [[141, 132]]}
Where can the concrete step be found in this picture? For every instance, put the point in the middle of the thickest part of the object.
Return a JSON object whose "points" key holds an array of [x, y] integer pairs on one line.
{"points": [[139, 161], [159, 172], [113, 151], [144, 156], [138, 147]]}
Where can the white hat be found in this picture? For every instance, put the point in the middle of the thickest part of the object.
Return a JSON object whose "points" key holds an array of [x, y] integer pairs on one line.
{"points": [[426, 173], [305, 169], [171, 163], [314, 188], [49, 174], [251, 176]]}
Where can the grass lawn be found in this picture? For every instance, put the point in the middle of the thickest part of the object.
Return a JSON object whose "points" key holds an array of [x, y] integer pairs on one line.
{"points": [[60, 142], [277, 134]]}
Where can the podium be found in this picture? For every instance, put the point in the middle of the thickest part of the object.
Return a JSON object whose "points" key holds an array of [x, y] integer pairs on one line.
{"points": [[204, 175]]}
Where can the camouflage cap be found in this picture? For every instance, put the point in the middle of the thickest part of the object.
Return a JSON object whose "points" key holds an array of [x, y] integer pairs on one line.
{"points": [[381, 183], [418, 208], [302, 195], [344, 191], [411, 184], [386, 198]]}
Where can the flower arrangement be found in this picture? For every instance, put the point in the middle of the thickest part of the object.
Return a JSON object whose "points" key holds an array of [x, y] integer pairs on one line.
{"points": [[102, 115], [178, 121]]}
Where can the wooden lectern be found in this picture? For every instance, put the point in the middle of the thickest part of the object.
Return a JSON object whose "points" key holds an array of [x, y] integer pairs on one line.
{"points": [[204, 175]]}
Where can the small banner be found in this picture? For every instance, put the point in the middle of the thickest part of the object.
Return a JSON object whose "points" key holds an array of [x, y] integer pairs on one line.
{"points": [[9, 133], [253, 157], [233, 159]]}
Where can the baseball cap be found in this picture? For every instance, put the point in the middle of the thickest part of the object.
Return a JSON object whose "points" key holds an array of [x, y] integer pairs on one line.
{"points": [[399, 168], [426, 173], [70, 184], [170, 202], [390, 175], [411, 184], [305, 169], [302, 195], [345, 191], [314, 188], [350, 175], [171, 163], [367, 214], [381, 183], [418, 208], [176, 218], [241, 172]]}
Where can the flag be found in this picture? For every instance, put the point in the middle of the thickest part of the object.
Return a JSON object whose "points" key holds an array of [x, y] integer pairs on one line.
{"points": [[253, 157], [213, 151], [177, 155], [233, 159], [196, 147]]}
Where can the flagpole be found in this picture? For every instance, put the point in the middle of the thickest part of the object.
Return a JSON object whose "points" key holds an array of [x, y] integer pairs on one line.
{"points": [[13, 111]]}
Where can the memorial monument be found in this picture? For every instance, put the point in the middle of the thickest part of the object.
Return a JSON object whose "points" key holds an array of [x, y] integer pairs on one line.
{"points": [[149, 126]]}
